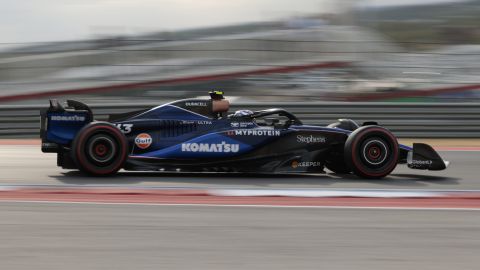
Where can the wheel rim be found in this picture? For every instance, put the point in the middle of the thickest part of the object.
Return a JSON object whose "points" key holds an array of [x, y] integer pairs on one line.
{"points": [[374, 152], [101, 149]]}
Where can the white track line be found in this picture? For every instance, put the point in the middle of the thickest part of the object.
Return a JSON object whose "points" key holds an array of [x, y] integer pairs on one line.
{"points": [[305, 193], [169, 188], [324, 193], [250, 205]]}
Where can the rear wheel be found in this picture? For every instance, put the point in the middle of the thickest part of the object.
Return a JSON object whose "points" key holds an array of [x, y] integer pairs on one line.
{"points": [[100, 149], [371, 152]]}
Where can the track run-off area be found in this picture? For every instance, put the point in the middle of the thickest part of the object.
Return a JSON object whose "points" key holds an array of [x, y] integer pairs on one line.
{"points": [[28, 174], [60, 219]]}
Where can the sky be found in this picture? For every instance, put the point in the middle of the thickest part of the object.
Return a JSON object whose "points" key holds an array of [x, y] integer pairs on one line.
{"points": [[55, 20]]}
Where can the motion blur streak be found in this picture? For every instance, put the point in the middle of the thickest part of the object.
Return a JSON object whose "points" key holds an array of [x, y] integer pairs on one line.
{"points": [[458, 200], [420, 60], [78, 236], [395, 50]]}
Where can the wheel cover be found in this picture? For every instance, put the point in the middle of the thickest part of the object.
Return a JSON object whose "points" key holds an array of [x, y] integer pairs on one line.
{"points": [[374, 151], [101, 149]]}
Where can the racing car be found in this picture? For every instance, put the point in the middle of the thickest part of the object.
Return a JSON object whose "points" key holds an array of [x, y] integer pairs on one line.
{"points": [[199, 135]]}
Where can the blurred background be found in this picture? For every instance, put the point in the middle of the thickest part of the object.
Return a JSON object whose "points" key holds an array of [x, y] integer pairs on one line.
{"points": [[410, 65], [117, 51]]}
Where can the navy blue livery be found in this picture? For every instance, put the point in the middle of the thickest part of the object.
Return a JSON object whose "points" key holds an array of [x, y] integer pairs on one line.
{"points": [[199, 135]]}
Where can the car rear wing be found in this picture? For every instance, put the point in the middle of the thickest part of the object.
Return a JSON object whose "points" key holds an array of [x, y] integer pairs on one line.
{"points": [[59, 124]]}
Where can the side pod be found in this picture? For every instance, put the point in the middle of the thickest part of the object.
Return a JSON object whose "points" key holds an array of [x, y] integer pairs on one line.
{"points": [[424, 157]]}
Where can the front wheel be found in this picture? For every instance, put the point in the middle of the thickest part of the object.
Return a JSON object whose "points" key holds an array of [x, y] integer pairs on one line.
{"points": [[99, 149], [371, 152]]}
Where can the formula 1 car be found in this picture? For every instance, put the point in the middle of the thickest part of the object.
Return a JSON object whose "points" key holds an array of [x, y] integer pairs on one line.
{"points": [[197, 135]]}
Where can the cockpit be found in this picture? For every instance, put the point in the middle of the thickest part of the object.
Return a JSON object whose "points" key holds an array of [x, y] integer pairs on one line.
{"points": [[217, 107], [219, 104], [278, 118]]}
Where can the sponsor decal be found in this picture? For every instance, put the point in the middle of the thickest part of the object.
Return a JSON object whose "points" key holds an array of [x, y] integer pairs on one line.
{"points": [[49, 145], [71, 118], [294, 164], [254, 132], [422, 162], [196, 104], [311, 139], [204, 122], [200, 122], [125, 128], [143, 140], [222, 147], [303, 164], [242, 124]]}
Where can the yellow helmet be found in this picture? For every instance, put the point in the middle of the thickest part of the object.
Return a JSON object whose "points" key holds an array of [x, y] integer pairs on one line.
{"points": [[216, 94]]}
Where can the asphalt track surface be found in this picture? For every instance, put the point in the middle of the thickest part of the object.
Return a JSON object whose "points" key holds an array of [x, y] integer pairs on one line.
{"points": [[86, 236], [27, 165], [89, 235]]}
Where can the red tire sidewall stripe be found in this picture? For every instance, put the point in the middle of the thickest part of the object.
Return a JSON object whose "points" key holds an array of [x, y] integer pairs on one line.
{"points": [[360, 166], [81, 143]]}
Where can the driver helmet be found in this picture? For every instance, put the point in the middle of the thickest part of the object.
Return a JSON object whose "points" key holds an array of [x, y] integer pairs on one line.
{"points": [[241, 113]]}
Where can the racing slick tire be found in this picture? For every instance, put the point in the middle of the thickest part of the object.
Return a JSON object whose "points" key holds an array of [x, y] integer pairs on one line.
{"points": [[371, 152], [99, 149]]}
